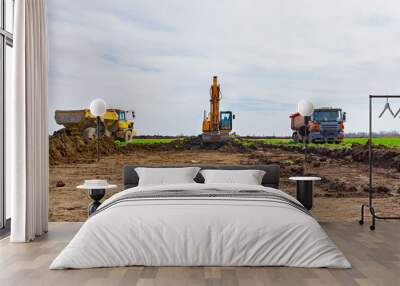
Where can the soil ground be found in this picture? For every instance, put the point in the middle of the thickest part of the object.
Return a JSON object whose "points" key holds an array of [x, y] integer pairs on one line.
{"points": [[337, 197]]}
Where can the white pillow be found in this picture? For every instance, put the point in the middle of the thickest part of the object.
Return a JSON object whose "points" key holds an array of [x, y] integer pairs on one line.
{"points": [[248, 177], [166, 176]]}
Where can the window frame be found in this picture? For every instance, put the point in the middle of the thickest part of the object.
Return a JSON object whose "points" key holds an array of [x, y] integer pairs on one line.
{"points": [[6, 39]]}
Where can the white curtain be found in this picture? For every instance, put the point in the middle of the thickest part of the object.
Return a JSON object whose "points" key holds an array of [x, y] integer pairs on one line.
{"points": [[28, 123]]}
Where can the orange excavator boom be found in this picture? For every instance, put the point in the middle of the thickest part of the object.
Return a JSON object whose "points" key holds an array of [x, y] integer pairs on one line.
{"points": [[218, 124], [214, 104]]}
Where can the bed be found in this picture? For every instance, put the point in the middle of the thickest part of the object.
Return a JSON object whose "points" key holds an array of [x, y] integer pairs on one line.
{"points": [[199, 224]]}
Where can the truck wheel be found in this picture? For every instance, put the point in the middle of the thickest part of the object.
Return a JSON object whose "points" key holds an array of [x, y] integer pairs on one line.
{"points": [[295, 137], [128, 136], [90, 133]]}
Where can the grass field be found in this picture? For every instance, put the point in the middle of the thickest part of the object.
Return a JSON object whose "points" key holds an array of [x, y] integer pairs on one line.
{"points": [[347, 142], [387, 141]]}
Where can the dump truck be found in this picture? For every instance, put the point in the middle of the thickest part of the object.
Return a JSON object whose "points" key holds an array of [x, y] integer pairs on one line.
{"points": [[218, 124], [325, 125], [115, 123]]}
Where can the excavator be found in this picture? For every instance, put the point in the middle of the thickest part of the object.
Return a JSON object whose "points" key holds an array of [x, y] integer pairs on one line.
{"points": [[218, 124]]}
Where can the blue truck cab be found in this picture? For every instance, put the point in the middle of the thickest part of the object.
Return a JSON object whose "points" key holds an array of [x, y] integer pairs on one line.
{"points": [[326, 125]]}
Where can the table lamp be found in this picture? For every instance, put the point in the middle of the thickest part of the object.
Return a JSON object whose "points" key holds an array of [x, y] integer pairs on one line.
{"points": [[306, 109], [98, 108]]}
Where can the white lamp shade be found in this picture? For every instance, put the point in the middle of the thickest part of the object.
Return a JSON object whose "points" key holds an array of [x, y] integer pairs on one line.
{"points": [[305, 108], [98, 107]]}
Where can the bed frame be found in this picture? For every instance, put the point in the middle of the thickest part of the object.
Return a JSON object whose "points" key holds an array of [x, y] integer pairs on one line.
{"points": [[270, 179]]}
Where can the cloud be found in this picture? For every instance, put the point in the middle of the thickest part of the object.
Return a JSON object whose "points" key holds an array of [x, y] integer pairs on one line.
{"points": [[158, 58]]}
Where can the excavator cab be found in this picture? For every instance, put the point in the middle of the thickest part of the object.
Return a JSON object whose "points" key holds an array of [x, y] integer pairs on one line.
{"points": [[121, 115], [225, 121], [126, 115]]}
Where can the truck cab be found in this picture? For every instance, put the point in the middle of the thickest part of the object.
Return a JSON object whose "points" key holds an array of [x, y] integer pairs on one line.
{"points": [[327, 125], [126, 123]]}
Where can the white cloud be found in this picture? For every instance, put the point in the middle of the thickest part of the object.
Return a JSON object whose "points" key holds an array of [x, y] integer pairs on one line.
{"points": [[158, 57]]}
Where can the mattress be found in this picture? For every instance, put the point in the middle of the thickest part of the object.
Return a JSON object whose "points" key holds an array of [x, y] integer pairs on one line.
{"points": [[201, 225]]}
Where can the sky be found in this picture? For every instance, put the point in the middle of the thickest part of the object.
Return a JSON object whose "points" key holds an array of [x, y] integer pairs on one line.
{"points": [[158, 58]]}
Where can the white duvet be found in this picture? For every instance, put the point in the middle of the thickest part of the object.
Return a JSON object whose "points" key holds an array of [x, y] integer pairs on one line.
{"points": [[199, 231]]}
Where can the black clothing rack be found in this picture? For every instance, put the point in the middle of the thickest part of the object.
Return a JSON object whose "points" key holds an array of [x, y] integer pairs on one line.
{"points": [[370, 161]]}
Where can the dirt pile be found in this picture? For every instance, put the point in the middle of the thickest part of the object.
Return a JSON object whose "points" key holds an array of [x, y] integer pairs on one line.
{"points": [[232, 146], [192, 143], [382, 156], [339, 169], [64, 148]]}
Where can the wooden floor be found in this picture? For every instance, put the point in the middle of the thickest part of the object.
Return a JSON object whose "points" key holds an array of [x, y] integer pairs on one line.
{"points": [[375, 257]]}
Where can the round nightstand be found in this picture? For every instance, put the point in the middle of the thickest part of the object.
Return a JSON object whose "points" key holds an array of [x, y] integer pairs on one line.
{"points": [[96, 193], [304, 192]]}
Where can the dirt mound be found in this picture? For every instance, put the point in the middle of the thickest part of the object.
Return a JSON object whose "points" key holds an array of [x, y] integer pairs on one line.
{"points": [[191, 143], [382, 156], [195, 143], [64, 148]]}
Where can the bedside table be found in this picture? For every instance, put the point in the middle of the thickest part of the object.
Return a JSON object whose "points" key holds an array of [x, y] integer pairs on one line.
{"points": [[96, 193], [304, 191]]}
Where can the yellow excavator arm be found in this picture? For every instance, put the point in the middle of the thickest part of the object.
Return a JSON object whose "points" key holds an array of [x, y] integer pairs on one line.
{"points": [[211, 122]]}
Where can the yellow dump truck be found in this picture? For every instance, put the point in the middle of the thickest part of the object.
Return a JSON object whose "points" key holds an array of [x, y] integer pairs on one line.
{"points": [[115, 123]]}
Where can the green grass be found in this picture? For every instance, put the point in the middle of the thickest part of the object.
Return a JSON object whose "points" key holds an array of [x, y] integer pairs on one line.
{"points": [[145, 141], [386, 141], [276, 141], [347, 142]]}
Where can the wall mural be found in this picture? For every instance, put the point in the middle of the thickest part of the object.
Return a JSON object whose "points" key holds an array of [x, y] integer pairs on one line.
{"points": [[144, 83]]}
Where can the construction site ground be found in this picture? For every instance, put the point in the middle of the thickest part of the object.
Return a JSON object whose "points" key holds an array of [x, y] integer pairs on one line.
{"points": [[338, 195]]}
